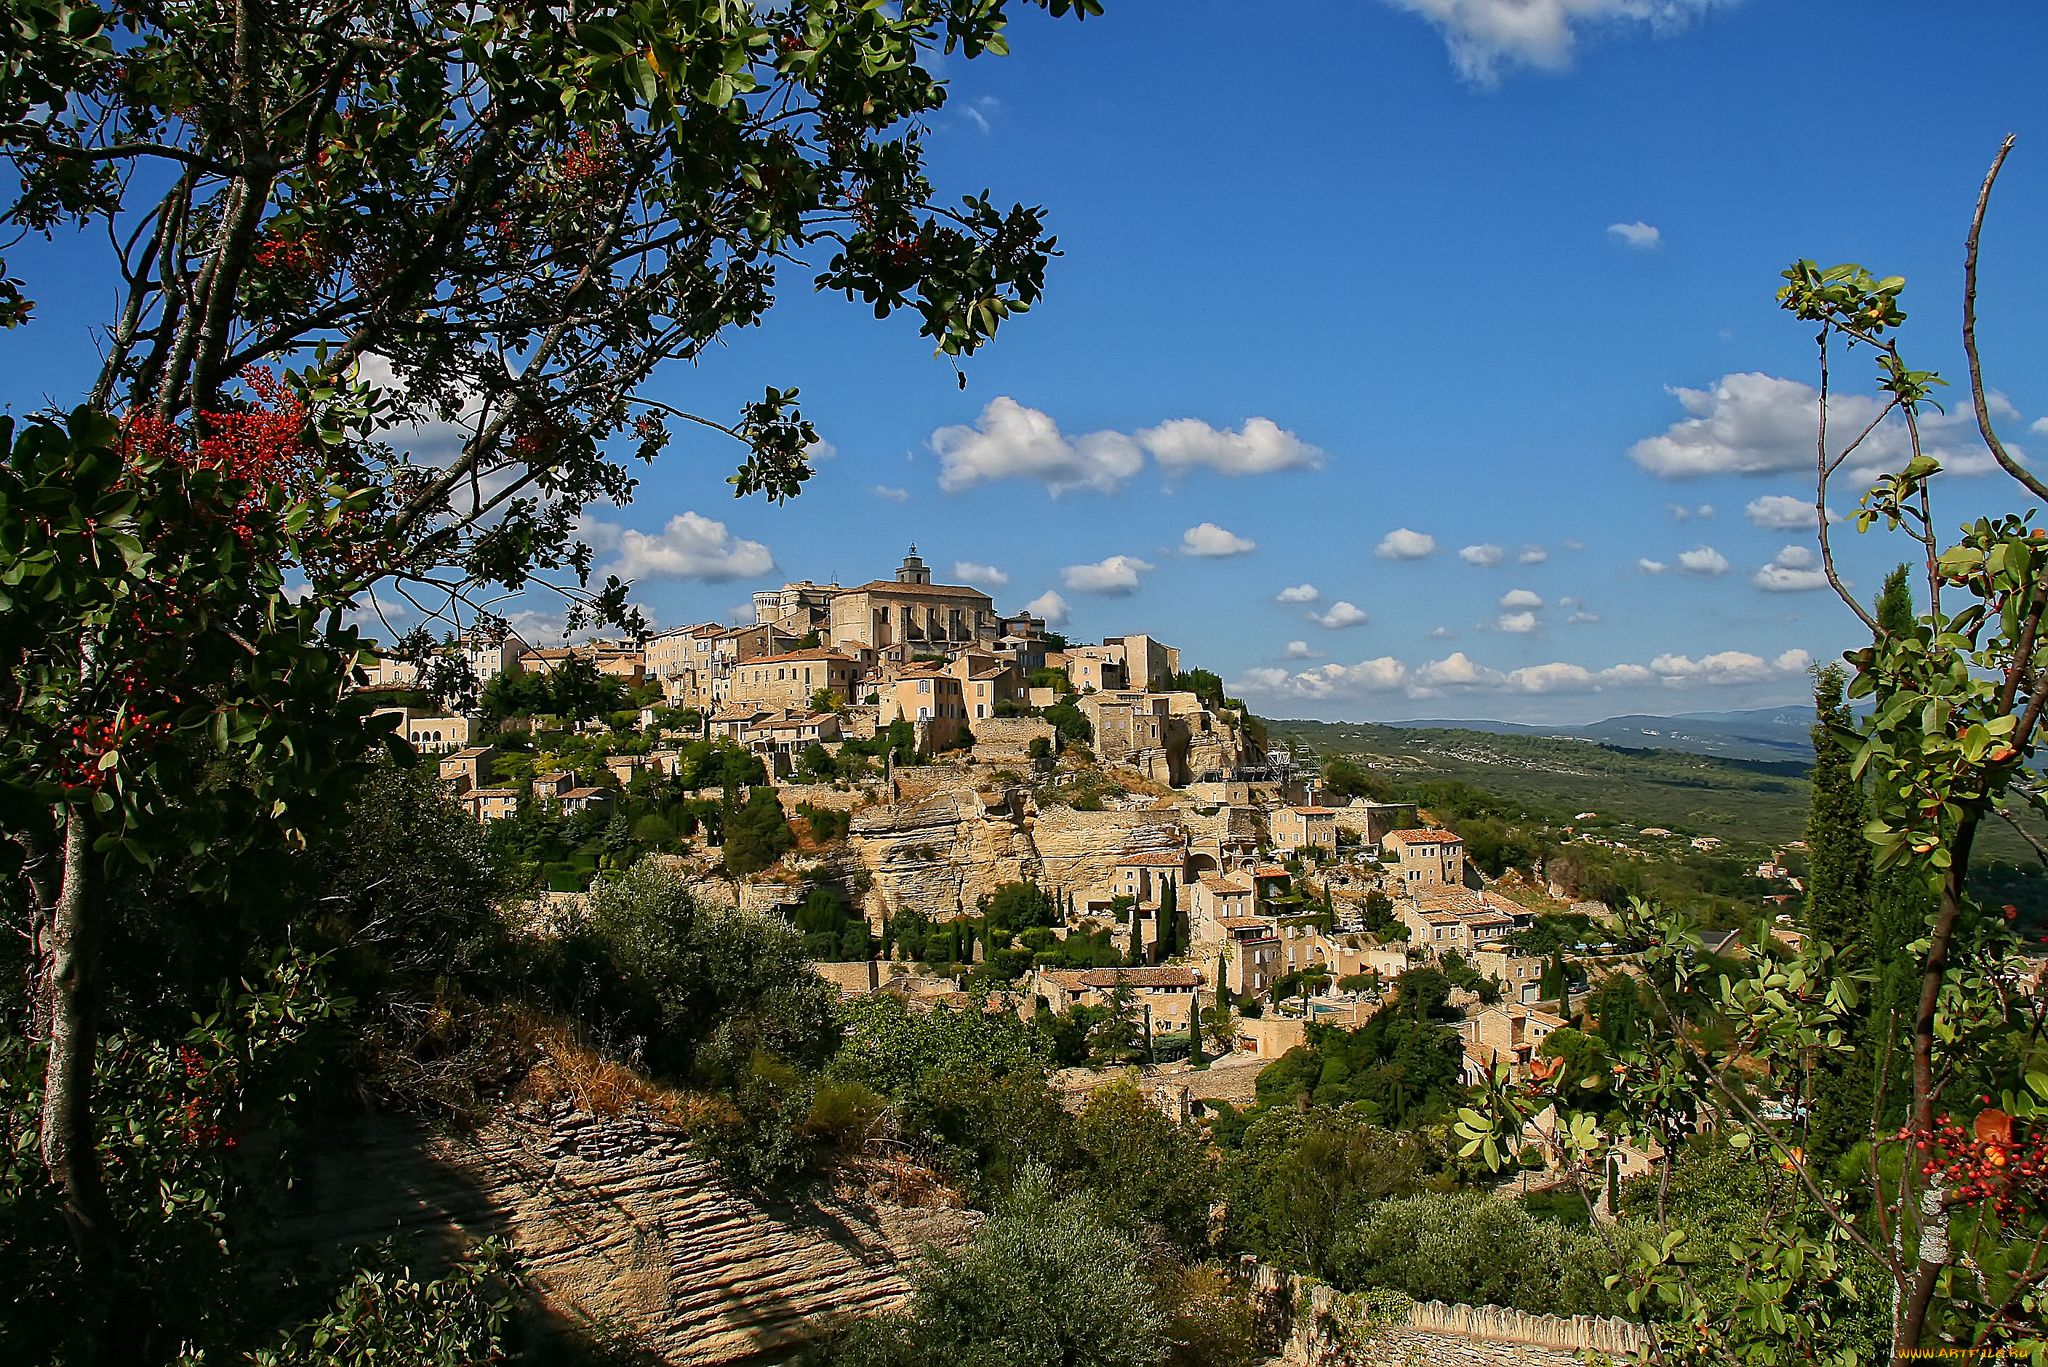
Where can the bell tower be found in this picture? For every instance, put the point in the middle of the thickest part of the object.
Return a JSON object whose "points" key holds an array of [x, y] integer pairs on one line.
{"points": [[913, 570]]}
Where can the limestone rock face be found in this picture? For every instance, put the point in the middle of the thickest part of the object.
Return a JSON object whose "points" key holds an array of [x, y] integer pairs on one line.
{"points": [[942, 851], [619, 1222]]}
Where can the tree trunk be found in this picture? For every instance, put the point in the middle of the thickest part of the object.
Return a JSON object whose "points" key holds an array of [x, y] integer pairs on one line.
{"points": [[1912, 1318], [69, 1142], [40, 879]]}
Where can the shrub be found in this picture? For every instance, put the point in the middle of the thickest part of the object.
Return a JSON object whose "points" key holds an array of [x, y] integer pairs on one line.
{"points": [[1474, 1249]]}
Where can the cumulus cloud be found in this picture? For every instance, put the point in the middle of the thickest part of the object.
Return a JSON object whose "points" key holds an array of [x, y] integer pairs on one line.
{"points": [[1210, 540], [1488, 37], [1638, 236], [1051, 607], [1298, 650], [1485, 555], [1459, 672], [1680, 513], [1649, 566], [1259, 448], [1519, 599], [1116, 576], [1402, 544], [1300, 593], [986, 576], [1703, 561], [1755, 424], [1784, 513], [1580, 618], [1519, 623], [1340, 615], [1010, 441], [691, 546], [1442, 634], [1532, 555], [1795, 569], [893, 495]]}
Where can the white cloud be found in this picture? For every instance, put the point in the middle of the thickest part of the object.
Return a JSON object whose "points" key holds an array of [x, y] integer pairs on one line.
{"points": [[1010, 441], [1680, 513], [1485, 555], [1210, 540], [1519, 623], [1572, 545], [1051, 607], [1703, 561], [2039, 425], [1402, 544], [1487, 37], [1640, 236], [1581, 618], [1753, 424], [1116, 576], [1649, 566], [1384, 675], [1340, 615], [1443, 634], [1532, 555], [1727, 667], [1519, 599], [982, 576], [821, 450], [1793, 570], [893, 495], [1459, 672], [1298, 650], [978, 110], [1260, 448], [1783, 513], [689, 547], [1300, 593]]}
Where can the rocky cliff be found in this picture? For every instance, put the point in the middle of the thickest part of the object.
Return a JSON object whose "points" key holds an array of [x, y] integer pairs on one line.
{"points": [[621, 1224]]}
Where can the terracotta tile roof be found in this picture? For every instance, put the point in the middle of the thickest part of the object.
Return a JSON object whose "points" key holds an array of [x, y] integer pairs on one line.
{"points": [[1244, 922], [1269, 871], [822, 653], [920, 590], [1313, 811], [1427, 836], [1223, 885], [1066, 979], [1164, 975], [1150, 858], [491, 792]]}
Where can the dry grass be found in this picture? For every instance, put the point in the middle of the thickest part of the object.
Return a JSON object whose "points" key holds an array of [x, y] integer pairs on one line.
{"points": [[567, 1067]]}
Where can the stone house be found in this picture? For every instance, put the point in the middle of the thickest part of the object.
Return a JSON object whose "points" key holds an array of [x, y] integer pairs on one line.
{"points": [[1295, 828], [781, 738], [553, 784], [1145, 875], [1435, 932], [585, 800], [623, 767], [1092, 668], [1255, 959], [1515, 1033], [680, 660], [1520, 975], [431, 734], [912, 611], [467, 768], [791, 679], [1213, 899], [1173, 993], [491, 804], [1373, 821], [1427, 857], [930, 698]]}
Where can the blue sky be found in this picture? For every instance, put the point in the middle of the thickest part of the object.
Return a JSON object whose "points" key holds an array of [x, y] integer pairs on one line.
{"points": [[1457, 312]]}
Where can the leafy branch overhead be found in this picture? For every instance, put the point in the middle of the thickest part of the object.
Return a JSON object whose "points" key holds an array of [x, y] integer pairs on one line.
{"points": [[508, 217]]}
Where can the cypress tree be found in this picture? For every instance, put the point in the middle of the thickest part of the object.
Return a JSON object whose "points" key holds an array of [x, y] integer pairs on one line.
{"points": [[1222, 982], [1838, 854], [1172, 935]]}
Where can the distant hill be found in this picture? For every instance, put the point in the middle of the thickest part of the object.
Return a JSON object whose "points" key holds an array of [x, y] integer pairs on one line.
{"points": [[1769, 733]]}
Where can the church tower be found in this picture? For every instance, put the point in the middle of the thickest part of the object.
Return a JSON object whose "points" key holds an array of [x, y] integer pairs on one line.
{"points": [[913, 570]]}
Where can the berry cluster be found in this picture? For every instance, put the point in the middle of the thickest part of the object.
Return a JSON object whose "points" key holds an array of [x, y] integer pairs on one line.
{"points": [[1986, 1160]]}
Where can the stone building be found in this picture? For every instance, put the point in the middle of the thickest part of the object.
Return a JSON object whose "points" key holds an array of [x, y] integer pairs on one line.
{"points": [[932, 700], [791, 679], [1428, 856], [913, 612], [1296, 828]]}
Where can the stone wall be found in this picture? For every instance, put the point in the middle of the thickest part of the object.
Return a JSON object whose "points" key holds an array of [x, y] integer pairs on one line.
{"points": [[1009, 738], [821, 795], [621, 1223], [1307, 1324]]}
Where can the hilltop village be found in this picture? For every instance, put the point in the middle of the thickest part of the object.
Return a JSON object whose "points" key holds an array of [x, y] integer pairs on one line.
{"points": [[953, 803]]}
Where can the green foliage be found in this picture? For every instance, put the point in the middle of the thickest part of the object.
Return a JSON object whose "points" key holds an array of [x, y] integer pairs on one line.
{"points": [[1471, 1248], [384, 1317], [1203, 683], [1345, 779], [1402, 1067], [1143, 1169], [1296, 1179], [1071, 722], [1045, 1283], [574, 691], [705, 988], [756, 833]]}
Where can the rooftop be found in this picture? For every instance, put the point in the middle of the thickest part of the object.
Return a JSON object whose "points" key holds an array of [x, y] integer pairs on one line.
{"points": [[1428, 835]]}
